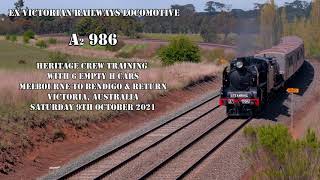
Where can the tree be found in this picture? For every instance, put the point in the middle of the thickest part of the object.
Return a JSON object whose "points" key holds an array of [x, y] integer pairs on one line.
{"points": [[315, 12], [284, 22], [212, 7], [269, 25], [315, 29], [19, 4], [220, 6], [297, 4], [258, 6], [225, 23], [209, 7], [86, 26], [297, 8], [208, 30]]}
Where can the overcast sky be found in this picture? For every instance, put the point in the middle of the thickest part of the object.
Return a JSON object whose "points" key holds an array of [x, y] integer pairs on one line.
{"points": [[124, 4]]}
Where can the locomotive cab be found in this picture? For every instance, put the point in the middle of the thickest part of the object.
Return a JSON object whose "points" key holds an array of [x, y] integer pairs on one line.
{"points": [[244, 86]]}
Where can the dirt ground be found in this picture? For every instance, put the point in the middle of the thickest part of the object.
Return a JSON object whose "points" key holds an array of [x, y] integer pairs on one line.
{"points": [[45, 156], [308, 115]]}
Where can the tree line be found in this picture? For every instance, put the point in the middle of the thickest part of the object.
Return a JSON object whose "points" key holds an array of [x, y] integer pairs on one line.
{"points": [[268, 20], [274, 23]]}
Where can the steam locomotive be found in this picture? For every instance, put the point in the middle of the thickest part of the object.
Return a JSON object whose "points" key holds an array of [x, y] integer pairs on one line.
{"points": [[249, 82]]}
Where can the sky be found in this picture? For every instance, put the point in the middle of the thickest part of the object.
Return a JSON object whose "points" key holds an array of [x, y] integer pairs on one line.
{"points": [[125, 4]]}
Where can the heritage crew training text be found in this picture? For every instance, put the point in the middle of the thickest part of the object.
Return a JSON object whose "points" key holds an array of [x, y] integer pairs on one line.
{"points": [[93, 66]]}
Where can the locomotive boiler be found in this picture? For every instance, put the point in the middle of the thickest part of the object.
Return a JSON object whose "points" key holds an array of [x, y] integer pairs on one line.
{"points": [[249, 82]]}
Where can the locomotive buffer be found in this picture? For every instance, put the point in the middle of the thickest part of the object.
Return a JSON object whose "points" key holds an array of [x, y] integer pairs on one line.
{"points": [[292, 91]]}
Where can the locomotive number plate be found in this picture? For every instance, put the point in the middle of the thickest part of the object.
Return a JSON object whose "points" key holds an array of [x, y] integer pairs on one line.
{"points": [[245, 101]]}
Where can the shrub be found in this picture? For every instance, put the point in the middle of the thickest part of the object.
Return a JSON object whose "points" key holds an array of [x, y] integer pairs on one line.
{"points": [[58, 135], [13, 38], [22, 62], [52, 41], [58, 57], [115, 48], [41, 44], [180, 49], [7, 37], [279, 156], [30, 34], [26, 39]]}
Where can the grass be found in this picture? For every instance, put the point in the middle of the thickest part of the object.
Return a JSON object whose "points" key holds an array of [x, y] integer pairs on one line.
{"points": [[13, 54], [217, 56], [167, 37], [17, 64], [15, 117], [129, 50], [230, 39], [52, 41], [97, 47], [132, 47]]}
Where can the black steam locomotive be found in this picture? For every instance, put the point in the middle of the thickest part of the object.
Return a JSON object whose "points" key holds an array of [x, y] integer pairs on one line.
{"points": [[249, 82]]}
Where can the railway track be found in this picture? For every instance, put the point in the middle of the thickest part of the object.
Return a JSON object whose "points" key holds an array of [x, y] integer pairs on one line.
{"points": [[160, 171], [212, 150], [106, 164], [112, 163]]}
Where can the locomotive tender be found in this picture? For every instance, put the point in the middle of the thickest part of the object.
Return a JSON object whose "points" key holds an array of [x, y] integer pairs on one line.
{"points": [[249, 82]]}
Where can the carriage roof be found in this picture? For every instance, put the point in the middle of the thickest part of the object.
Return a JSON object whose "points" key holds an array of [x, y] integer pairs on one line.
{"points": [[286, 46]]}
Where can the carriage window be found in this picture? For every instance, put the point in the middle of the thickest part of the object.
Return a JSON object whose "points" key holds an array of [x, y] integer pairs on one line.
{"points": [[290, 61]]}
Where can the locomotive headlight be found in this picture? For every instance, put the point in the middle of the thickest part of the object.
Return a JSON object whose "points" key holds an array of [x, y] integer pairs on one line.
{"points": [[239, 64]]}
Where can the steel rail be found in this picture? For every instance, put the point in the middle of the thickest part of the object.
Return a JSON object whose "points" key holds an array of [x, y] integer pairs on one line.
{"points": [[153, 144], [162, 163], [75, 171]]}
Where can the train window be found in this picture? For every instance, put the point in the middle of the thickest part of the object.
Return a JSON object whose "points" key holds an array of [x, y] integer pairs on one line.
{"points": [[290, 60]]}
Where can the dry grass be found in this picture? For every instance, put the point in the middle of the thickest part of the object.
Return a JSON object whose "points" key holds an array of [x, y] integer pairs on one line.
{"points": [[64, 48], [218, 56], [16, 120], [9, 92], [176, 77]]}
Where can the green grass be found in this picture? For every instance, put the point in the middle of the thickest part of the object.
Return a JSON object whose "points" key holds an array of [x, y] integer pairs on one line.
{"points": [[88, 46], [12, 53], [167, 37], [132, 47], [129, 50], [17, 56]]}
